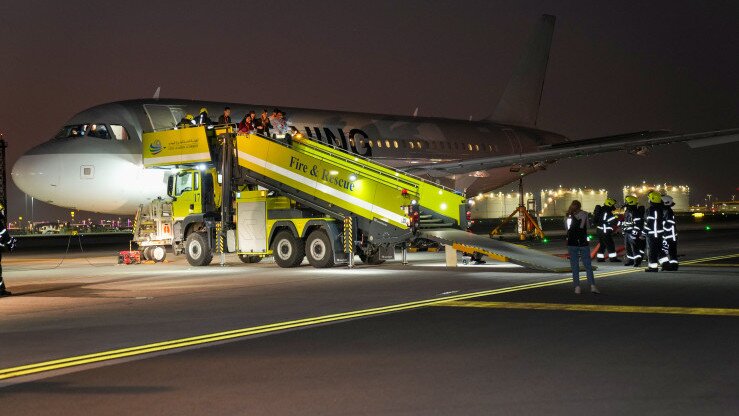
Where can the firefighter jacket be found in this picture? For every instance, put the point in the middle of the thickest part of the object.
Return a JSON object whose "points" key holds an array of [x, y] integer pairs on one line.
{"points": [[653, 222], [633, 220], [605, 220], [668, 224]]}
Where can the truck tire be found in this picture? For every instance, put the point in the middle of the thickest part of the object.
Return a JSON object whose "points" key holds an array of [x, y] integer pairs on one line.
{"points": [[319, 250], [197, 250], [288, 250], [373, 258], [249, 259], [145, 253], [158, 253]]}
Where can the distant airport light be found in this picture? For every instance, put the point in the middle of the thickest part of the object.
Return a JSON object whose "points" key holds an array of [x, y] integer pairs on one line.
{"points": [[708, 228]]}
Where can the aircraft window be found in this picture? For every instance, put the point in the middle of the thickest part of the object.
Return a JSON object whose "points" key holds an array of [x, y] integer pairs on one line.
{"points": [[119, 132], [477, 147], [351, 141], [387, 143], [411, 145], [469, 147], [490, 147], [99, 131], [379, 143], [370, 142], [76, 130], [395, 144], [184, 183], [418, 143]]}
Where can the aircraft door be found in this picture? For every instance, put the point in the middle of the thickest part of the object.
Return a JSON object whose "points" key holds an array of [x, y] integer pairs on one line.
{"points": [[162, 116], [514, 141]]}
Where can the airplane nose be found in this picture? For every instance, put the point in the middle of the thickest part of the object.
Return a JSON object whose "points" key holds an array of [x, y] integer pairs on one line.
{"points": [[37, 174]]}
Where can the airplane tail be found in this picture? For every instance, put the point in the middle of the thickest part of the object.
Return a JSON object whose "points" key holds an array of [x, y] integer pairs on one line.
{"points": [[519, 104]]}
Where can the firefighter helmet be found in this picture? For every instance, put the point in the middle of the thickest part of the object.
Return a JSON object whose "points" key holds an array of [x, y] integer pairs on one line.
{"points": [[609, 202], [655, 197], [631, 200], [667, 200], [189, 117], [203, 110]]}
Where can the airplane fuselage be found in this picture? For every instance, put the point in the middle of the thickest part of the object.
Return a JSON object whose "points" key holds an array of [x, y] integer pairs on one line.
{"points": [[82, 169]]}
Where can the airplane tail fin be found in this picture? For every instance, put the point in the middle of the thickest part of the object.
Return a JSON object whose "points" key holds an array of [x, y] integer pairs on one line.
{"points": [[520, 102]]}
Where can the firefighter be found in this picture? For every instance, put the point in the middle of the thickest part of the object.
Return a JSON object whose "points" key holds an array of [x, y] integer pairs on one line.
{"points": [[668, 261], [6, 242], [653, 230], [605, 222], [202, 118], [632, 229], [187, 121]]}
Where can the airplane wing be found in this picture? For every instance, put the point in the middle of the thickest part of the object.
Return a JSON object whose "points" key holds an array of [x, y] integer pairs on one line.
{"points": [[636, 143]]}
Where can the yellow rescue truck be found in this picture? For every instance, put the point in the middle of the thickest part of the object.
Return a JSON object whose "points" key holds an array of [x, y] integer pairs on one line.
{"points": [[295, 198]]}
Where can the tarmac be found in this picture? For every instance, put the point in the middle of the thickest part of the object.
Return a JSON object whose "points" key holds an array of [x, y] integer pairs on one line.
{"points": [[84, 335]]}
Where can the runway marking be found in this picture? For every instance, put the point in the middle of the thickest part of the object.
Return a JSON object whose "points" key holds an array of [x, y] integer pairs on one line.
{"points": [[80, 360], [673, 310], [716, 265], [707, 259]]}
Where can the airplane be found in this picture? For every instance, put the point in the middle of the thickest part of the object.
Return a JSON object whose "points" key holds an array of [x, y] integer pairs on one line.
{"points": [[94, 162]]}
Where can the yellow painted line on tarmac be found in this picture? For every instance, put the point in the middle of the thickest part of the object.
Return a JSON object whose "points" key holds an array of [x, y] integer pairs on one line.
{"points": [[79, 360], [716, 265], [673, 310], [707, 259]]}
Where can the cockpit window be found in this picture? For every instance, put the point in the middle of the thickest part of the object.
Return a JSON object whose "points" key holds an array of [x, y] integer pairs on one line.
{"points": [[119, 132], [99, 131], [76, 130]]}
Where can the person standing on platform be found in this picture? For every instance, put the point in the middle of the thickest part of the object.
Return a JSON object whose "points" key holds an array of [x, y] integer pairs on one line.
{"points": [[605, 222], [668, 261], [576, 224], [225, 118], [653, 230]]}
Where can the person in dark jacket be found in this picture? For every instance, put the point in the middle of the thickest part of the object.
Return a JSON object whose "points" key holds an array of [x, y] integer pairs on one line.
{"points": [[632, 229], [668, 261], [6, 242], [605, 222], [225, 118], [576, 224], [653, 230]]}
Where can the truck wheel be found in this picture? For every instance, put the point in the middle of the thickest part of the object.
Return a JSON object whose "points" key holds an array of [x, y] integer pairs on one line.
{"points": [[288, 250], [145, 253], [158, 253], [373, 258], [250, 259], [318, 249], [197, 250]]}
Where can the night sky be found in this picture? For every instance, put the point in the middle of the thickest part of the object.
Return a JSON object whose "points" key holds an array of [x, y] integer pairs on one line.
{"points": [[613, 68]]}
